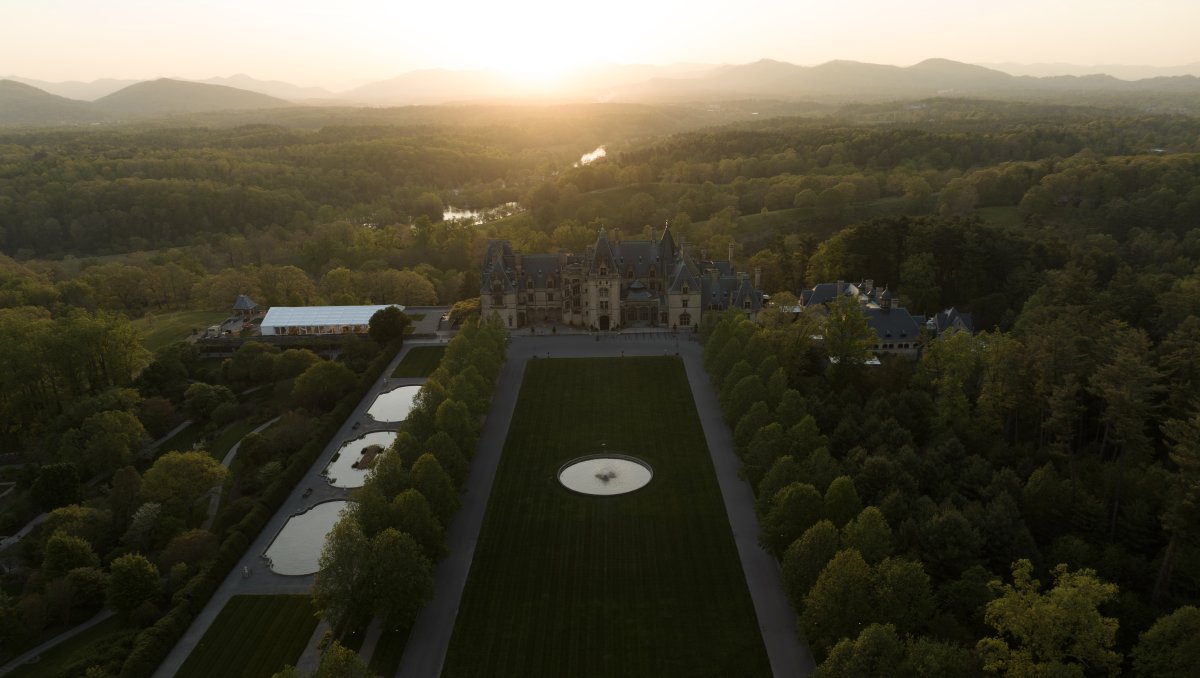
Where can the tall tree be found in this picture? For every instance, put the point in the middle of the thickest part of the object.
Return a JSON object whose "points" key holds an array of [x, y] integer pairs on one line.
{"points": [[1057, 632], [848, 337], [340, 592], [840, 602], [133, 580], [1170, 648]]}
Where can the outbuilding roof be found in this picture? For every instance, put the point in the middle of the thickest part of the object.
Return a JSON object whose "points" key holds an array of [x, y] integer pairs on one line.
{"points": [[308, 316]]}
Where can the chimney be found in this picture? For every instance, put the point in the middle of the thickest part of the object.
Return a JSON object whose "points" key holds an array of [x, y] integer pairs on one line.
{"points": [[517, 257], [869, 286], [617, 235], [758, 277], [730, 257]]}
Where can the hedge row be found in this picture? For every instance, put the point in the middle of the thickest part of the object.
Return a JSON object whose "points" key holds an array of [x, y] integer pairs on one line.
{"points": [[153, 644]]}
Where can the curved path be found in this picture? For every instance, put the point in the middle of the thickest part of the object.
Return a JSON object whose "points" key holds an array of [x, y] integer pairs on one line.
{"points": [[262, 579], [429, 640], [214, 498], [33, 654]]}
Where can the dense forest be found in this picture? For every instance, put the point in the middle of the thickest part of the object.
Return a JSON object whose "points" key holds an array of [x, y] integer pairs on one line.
{"points": [[936, 513]]}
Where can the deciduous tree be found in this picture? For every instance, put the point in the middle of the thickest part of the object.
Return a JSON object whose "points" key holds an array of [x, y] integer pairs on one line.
{"points": [[1057, 632]]}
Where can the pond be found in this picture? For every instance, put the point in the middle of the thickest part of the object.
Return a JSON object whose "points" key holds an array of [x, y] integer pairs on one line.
{"points": [[394, 405], [342, 471], [451, 213], [589, 158], [605, 474], [296, 550]]}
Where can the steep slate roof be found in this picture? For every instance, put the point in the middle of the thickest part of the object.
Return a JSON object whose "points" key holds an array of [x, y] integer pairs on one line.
{"points": [[894, 324], [686, 271], [540, 267], [952, 317], [498, 263], [746, 292], [822, 293], [244, 303], [602, 254]]}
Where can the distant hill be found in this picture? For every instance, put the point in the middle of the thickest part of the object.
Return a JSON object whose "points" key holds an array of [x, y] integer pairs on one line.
{"points": [[857, 81], [73, 89], [1122, 71], [432, 86], [21, 104], [273, 88], [165, 96]]}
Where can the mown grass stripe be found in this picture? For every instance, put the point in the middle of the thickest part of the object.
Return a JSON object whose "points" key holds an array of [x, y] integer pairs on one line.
{"points": [[635, 585]]}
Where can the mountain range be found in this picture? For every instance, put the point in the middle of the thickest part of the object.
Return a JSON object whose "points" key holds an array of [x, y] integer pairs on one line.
{"points": [[23, 102]]}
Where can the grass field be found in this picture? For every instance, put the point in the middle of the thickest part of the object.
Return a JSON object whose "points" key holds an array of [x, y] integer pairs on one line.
{"points": [[643, 584], [420, 361], [1001, 216], [220, 445], [111, 635], [253, 637], [160, 329], [386, 660]]}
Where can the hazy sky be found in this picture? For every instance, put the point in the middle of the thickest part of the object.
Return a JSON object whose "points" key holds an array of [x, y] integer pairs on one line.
{"points": [[337, 44]]}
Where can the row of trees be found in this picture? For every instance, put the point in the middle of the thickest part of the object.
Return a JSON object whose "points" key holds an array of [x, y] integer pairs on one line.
{"points": [[378, 559], [897, 522]]}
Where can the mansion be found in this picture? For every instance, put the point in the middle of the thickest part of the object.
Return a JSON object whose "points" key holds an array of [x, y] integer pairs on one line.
{"points": [[615, 284]]}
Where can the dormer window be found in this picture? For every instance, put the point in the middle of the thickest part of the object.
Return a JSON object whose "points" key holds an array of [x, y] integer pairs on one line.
{"points": [[603, 270], [529, 284], [685, 288]]}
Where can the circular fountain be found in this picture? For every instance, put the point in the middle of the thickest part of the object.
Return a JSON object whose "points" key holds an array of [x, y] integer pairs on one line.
{"points": [[605, 474]]}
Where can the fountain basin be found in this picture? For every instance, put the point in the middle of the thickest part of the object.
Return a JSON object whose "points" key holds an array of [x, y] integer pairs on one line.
{"points": [[394, 405], [605, 474], [296, 550], [346, 470]]}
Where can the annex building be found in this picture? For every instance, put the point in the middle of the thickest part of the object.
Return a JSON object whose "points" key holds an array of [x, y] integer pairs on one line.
{"points": [[615, 284], [304, 320], [897, 331]]}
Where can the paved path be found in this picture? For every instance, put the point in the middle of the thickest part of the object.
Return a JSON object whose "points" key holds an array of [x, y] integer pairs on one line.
{"points": [[214, 495], [21, 533], [36, 652], [425, 652], [170, 434], [310, 659], [263, 581]]}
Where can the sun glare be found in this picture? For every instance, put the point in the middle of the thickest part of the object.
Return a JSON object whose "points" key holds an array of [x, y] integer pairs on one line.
{"points": [[530, 63]]}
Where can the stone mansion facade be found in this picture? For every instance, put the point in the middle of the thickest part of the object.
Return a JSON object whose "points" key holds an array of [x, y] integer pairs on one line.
{"points": [[615, 284]]}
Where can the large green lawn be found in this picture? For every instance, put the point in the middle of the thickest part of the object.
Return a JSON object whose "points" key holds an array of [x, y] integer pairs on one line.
{"points": [[253, 637], [642, 584], [420, 361], [160, 329], [107, 642]]}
